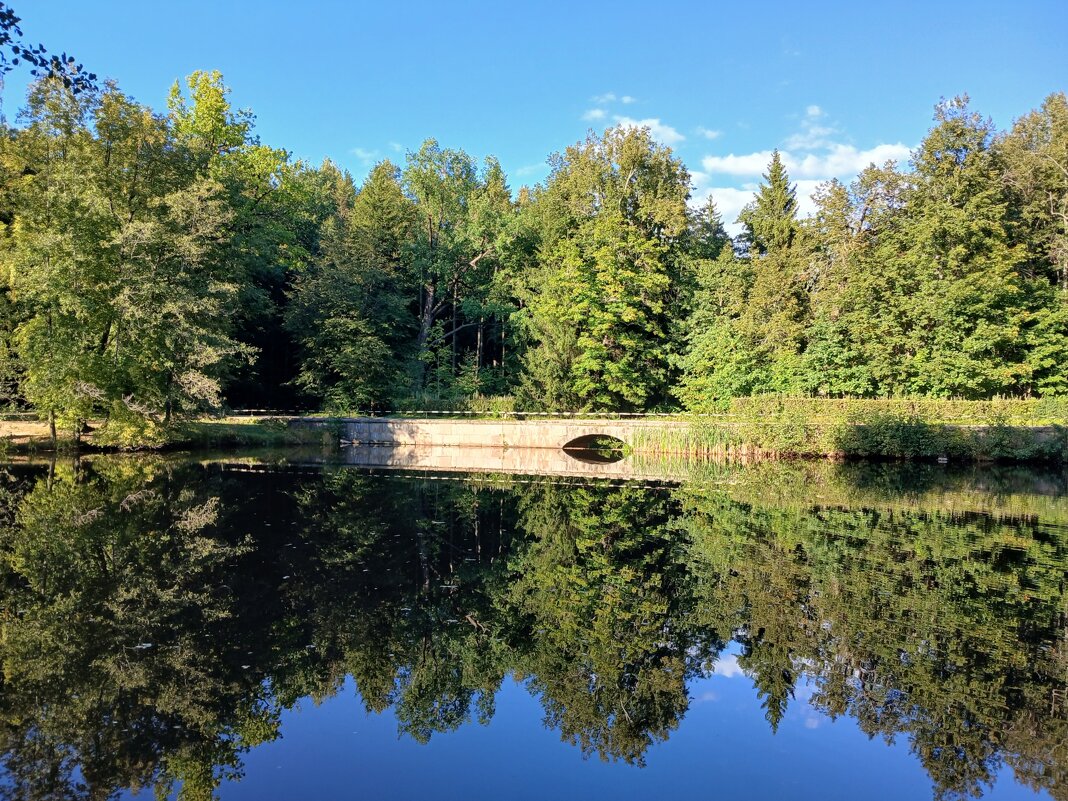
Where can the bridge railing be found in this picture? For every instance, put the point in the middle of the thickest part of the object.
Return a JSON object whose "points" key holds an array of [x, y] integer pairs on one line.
{"points": [[422, 414]]}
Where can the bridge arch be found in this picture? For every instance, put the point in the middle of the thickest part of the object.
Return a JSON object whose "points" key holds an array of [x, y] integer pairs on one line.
{"points": [[585, 442], [595, 449]]}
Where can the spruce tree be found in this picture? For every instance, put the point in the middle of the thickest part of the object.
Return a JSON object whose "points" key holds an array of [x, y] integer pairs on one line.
{"points": [[773, 323]]}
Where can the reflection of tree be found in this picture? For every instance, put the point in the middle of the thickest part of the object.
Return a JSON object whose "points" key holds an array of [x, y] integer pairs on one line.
{"points": [[413, 622], [925, 624], [158, 616], [112, 614], [603, 588]]}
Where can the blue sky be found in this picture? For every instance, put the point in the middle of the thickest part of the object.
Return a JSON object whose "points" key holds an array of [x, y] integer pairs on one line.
{"points": [[834, 85]]}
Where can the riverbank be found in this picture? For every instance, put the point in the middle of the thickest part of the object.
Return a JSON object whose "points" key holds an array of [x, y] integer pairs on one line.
{"points": [[1017, 430], [32, 437]]}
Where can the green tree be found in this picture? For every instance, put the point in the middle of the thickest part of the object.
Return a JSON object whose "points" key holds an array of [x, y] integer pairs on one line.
{"points": [[610, 268], [461, 214], [970, 306], [115, 261], [1035, 158], [718, 364], [277, 208], [773, 323], [351, 313]]}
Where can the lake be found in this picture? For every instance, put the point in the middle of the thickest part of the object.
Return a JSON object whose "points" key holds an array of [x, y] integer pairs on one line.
{"points": [[291, 626]]}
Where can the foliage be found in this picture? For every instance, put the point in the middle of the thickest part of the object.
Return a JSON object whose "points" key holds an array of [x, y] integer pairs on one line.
{"points": [[159, 266], [613, 221], [42, 64]]}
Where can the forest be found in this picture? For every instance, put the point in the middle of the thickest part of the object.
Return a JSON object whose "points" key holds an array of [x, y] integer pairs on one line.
{"points": [[158, 266]]}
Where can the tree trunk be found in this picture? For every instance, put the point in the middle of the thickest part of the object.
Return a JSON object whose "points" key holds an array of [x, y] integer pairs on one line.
{"points": [[478, 347], [52, 428], [425, 322], [453, 343]]}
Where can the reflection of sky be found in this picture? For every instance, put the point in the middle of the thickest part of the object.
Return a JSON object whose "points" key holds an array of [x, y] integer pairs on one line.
{"points": [[722, 749]]}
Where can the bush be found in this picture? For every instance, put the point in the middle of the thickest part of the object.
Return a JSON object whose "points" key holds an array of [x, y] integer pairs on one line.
{"points": [[127, 430]]}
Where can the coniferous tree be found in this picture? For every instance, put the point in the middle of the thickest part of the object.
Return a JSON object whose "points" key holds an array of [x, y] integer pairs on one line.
{"points": [[969, 304], [351, 313], [612, 268], [773, 323]]}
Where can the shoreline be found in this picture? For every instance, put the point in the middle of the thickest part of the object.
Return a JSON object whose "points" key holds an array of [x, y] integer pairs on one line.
{"points": [[680, 438]]}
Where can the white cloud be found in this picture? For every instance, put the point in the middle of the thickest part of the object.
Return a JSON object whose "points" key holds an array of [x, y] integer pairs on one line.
{"points": [[364, 155], [660, 132], [396, 147], [746, 164], [531, 169], [813, 135], [708, 133], [838, 161], [594, 114], [601, 100], [627, 100], [812, 155], [810, 137], [843, 161]]}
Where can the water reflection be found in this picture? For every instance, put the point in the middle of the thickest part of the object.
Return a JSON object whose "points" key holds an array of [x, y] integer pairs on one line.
{"points": [[158, 616]]}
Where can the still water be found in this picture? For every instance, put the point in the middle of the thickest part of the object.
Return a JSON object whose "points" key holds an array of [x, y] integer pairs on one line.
{"points": [[258, 629]]}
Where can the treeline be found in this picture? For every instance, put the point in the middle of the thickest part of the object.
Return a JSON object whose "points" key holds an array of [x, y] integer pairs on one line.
{"points": [[158, 265]]}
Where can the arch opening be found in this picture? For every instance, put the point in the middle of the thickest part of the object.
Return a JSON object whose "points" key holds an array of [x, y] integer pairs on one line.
{"points": [[596, 449]]}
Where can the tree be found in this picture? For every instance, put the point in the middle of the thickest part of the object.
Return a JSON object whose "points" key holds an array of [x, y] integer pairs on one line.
{"points": [[970, 305], [351, 313], [718, 364], [42, 65], [461, 213], [1035, 154], [277, 209], [776, 314], [114, 253], [610, 268], [770, 220]]}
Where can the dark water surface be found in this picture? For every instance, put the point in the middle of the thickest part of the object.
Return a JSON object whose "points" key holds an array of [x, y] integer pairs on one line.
{"points": [[261, 630]]}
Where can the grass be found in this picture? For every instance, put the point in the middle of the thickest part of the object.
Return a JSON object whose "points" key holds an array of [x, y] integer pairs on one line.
{"points": [[999, 430], [767, 426], [237, 432]]}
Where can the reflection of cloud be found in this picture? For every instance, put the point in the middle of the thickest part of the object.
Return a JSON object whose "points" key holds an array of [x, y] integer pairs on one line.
{"points": [[727, 666], [707, 697], [812, 722]]}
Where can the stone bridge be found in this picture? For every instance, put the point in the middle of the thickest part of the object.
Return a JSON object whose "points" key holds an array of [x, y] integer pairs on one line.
{"points": [[555, 433]]}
